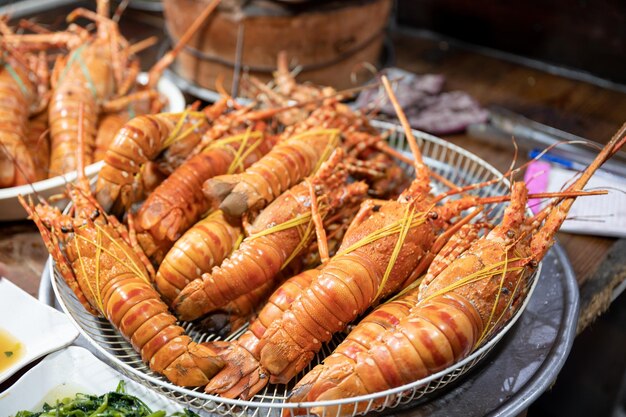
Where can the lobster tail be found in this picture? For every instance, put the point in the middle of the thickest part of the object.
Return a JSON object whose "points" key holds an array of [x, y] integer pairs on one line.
{"points": [[236, 313], [194, 367], [242, 377], [134, 307], [141, 140], [176, 204], [280, 232], [374, 358], [196, 252], [283, 167]]}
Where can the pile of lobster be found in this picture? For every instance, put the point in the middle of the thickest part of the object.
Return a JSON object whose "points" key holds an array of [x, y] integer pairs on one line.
{"points": [[95, 69], [297, 219]]}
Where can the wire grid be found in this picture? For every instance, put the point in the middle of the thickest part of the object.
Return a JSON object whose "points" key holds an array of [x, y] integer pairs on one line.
{"points": [[450, 161]]}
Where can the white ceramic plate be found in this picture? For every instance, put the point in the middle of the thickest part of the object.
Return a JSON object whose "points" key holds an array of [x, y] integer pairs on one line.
{"points": [[68, 372], [41, 329], [10, 208]]}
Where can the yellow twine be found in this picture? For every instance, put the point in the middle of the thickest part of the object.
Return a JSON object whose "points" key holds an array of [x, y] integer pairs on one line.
{"points": [[407, 289], [388, 230], [294, 222], [330, 147], [248, 151], [306, 218], [489, 328], [225, 142], [404, 230], [98, 256], [177, 128], [303, 240], [313, 132], [237, 160], [94, 294], [242, 152], [486, 272]]}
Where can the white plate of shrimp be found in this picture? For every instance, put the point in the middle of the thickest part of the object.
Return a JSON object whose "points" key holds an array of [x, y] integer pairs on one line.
{"points": [[10, 208]]}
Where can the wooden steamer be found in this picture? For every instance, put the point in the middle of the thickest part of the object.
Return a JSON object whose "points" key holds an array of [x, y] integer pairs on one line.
{"points": [[330, 41]]}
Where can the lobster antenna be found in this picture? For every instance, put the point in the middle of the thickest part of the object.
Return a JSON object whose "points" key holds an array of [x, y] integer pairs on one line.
{"points": [[343, 94], [103, 8], [513, 161], [417, 154], [33, 27], [80, 174], [542, 241], [135, 48], [155, 72], [121, 8], [557, 194], [5, 29], [462, 189]]}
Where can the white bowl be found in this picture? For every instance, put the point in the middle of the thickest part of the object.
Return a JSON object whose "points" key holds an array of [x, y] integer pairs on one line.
{"points": [[39, 328], [10, 208], [68, 372]]}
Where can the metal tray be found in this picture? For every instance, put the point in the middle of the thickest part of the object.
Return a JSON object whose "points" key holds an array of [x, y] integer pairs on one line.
{"points": [[447, 160], [518, 370]]}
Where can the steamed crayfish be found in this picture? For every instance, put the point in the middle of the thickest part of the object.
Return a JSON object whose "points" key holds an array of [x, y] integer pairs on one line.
{"points": [[110, 275], [95, 70], [455, 310], [248, 194]]}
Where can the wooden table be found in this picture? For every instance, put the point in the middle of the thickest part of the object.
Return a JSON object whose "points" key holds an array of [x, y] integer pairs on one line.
{"points": [[573, 106]]}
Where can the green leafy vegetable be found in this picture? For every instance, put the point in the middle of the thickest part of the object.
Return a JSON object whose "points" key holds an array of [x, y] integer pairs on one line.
{"points": [[8, 353], [113, 404]]}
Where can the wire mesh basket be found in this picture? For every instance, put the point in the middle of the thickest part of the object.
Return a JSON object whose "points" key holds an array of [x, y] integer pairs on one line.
{"points": [[451, 162]]}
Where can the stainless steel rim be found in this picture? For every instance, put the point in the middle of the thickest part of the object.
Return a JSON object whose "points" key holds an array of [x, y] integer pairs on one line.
{"points": [[448, 160]]}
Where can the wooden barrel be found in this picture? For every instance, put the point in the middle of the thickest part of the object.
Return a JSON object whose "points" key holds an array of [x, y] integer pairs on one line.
{"points": [[329, 40]]}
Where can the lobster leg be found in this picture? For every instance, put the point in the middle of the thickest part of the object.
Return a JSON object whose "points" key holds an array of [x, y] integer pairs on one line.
{"points": [[121, 103]]}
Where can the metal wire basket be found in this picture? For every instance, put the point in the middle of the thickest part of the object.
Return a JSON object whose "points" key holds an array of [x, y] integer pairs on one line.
{"points": [[448, 160]]}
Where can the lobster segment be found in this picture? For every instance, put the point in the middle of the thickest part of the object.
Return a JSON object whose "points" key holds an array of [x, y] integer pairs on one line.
{"points": [[280, 232], [20, 99], [243, 376], [142, 139], [178, 202], [284, 166]]}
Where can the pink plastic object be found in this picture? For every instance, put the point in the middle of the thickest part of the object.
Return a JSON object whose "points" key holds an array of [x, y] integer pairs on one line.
{"points": [[536, 178]]}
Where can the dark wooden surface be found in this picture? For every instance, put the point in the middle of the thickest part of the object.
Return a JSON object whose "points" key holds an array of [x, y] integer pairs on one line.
{"points": [[587, 35]]}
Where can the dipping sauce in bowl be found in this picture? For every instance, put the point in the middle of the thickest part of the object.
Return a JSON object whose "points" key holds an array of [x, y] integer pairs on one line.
{"points": [[11, 350]]}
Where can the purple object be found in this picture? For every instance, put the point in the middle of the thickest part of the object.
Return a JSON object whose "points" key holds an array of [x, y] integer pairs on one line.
{"points": [[447, 113], [426, 107], [410, 90]]}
